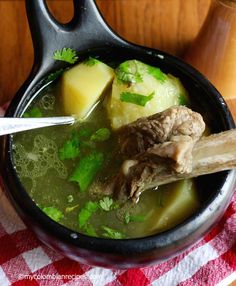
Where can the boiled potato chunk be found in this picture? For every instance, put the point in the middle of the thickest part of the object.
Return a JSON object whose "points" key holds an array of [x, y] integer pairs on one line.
{"points": [[82, 86], [134, 80], [177, 201]]}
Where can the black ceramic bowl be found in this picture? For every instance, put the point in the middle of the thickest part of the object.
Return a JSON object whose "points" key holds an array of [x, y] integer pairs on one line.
{"points": [[88, 34]]}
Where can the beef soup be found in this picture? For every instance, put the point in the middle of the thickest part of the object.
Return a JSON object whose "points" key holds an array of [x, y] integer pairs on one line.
{"points": [[74, 173]]}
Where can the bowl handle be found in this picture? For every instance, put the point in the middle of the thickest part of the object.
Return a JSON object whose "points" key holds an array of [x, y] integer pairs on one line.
{"points": [[86, 30]]}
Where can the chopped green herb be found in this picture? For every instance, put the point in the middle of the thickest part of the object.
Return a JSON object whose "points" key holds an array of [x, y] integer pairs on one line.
{"points": [[87, 169], [53, 213], [129, 72], [70, 149], [106, 203], [156, 73], [89, 230], [112, 233], [101, 134], [133, 218], [86, 212], [54, 75], [183, 99], [66, 55], [90, 61], [34, 112], [70, 198], [70, 209], [127, 217], [136, 98], [137, 218]]}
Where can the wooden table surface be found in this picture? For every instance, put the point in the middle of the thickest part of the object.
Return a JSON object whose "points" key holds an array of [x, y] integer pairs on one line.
{"points": [[169, 25]]}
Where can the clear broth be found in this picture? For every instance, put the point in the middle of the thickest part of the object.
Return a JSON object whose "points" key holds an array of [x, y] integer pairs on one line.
{"points": [[45, 176]]}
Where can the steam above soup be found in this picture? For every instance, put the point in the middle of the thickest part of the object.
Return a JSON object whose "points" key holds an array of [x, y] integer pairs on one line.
{"points": [[67, 169]]}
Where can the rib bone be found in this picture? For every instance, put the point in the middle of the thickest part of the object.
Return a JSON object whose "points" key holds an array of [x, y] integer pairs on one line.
{"points": [[211, 154]]}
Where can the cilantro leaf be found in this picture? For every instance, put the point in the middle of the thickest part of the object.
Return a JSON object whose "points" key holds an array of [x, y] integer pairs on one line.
{"points": [[136, 98], [100, 135], [86, 212], [90, 61], [69, 150], [129, 72], [156, 73], [106, 203], [66, 55], [53, 213], [112, 233], [87, 169], [34, 112]]}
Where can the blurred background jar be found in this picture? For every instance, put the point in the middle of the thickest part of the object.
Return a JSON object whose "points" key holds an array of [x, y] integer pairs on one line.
{"points": [[213, 52]]}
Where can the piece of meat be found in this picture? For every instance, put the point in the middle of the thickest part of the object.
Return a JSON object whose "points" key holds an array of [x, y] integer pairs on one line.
{"points": [[143, 133], [165, 147], [173, 132], [211, 154]]}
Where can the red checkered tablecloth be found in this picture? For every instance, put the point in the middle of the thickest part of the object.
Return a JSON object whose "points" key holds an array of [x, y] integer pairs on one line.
{"points": [[26, 261]]}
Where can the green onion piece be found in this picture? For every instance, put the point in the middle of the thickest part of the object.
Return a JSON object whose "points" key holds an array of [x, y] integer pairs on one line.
{"points": [[89, 230], [87, 169], [86, 212], [136, 98], [53, 213]]}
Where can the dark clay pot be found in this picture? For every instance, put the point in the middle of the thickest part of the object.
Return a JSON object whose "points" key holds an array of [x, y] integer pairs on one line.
{"points": [[88, 34]]}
